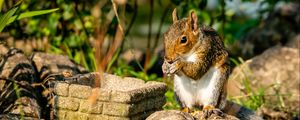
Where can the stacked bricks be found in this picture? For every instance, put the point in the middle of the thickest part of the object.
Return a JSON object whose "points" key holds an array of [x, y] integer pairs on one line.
{"points": [[117, 99]]}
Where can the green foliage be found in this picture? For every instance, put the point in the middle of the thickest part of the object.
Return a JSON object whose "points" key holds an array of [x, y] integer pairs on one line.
{"points": [[171, 102], [5, 18], [124, 69], [10, 16], [30, 14], [254, 98]]}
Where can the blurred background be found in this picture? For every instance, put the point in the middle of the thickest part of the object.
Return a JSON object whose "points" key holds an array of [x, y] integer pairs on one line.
{"points": [[124, 37]]}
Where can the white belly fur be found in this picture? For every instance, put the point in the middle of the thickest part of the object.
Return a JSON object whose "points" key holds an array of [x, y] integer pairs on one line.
{"points": [[194, 92]]}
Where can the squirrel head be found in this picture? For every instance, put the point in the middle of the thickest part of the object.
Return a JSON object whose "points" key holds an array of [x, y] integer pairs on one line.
{"points": [[181, 36]]}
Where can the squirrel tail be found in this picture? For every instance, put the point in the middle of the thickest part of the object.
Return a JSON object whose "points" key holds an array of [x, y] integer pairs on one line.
{"points": [[240, 112]]}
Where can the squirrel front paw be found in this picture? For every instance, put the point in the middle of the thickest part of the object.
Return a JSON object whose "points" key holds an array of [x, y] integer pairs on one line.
{"points": [[171, 68], [165, 67]]}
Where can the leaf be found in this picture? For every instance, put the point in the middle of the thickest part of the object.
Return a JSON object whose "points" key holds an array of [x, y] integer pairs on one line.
{"points": [[1, 4], [113, 60], [30, 14], [5, 18]]}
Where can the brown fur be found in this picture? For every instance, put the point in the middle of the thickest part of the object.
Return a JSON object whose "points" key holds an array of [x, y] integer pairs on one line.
{"points": [[210, 52], [208, 47]]}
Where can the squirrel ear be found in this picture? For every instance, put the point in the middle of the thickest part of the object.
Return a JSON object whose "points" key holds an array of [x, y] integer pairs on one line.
{"points": [[174, 15], [193, 21]]}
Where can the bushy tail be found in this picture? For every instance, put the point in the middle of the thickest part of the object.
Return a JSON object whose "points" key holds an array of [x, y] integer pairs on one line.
{"points": [[240, 112]]}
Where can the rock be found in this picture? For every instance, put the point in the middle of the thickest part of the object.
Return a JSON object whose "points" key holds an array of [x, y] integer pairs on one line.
{"points": [[295, 42], [26, 96], [16, 76], [27, 106], [178, 115], [269, 114], [276, 70], [16, 117], [47, 64], [170, 115]]}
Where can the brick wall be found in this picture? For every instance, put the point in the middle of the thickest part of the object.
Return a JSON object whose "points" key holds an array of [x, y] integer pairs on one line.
{"points": [[117, 98]]}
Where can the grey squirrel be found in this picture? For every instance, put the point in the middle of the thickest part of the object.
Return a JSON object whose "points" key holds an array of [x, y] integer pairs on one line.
{"points": [[197, 58]]}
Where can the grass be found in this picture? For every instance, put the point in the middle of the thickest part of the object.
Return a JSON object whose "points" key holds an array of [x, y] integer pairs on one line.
{"points": [[254, 97]]}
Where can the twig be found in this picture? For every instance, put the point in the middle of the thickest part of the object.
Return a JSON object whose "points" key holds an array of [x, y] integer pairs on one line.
{"points": [[131, 23], [160, 25], [118, 36], [148, 50]]}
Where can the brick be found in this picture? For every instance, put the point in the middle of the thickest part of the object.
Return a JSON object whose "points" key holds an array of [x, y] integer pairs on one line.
{"points": [[61, 89], [98, 117], [88, 107], [61, 114], [116, 109], [104, 94], [76, 116], [80, 91], [150, 89], [66, 103], [121, 96]]}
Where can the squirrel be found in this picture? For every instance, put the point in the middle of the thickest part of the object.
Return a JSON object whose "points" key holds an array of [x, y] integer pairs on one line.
{"points": [[196, 58]]}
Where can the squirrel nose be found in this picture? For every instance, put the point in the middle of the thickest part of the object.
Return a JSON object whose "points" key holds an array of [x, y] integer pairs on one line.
{"points": [[170, 62]]}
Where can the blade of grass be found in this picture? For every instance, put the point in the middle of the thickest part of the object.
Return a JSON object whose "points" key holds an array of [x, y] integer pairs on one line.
{"points": [[1, 3], [30, 14], [5, 18], [113, 60]]}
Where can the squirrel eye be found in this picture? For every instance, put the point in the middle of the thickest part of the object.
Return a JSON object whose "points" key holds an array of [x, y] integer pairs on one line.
{"points": [[183, 39]]}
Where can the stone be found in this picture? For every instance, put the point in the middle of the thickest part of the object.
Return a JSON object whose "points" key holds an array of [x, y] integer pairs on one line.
{"points": [[104, 94], [170, 115], [117, 98], [143, 115], [26, 106], [178, 115], [15, 66], [117, 118], [113, 82], [98, 117], [80, 91], [47, 64], [76, 116], [148, 104], [276, 69], [15, 117], [132, 90], [61, 89], [66, 103], [61, 114], [119, 109], [89, 107], [116, 109]]}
